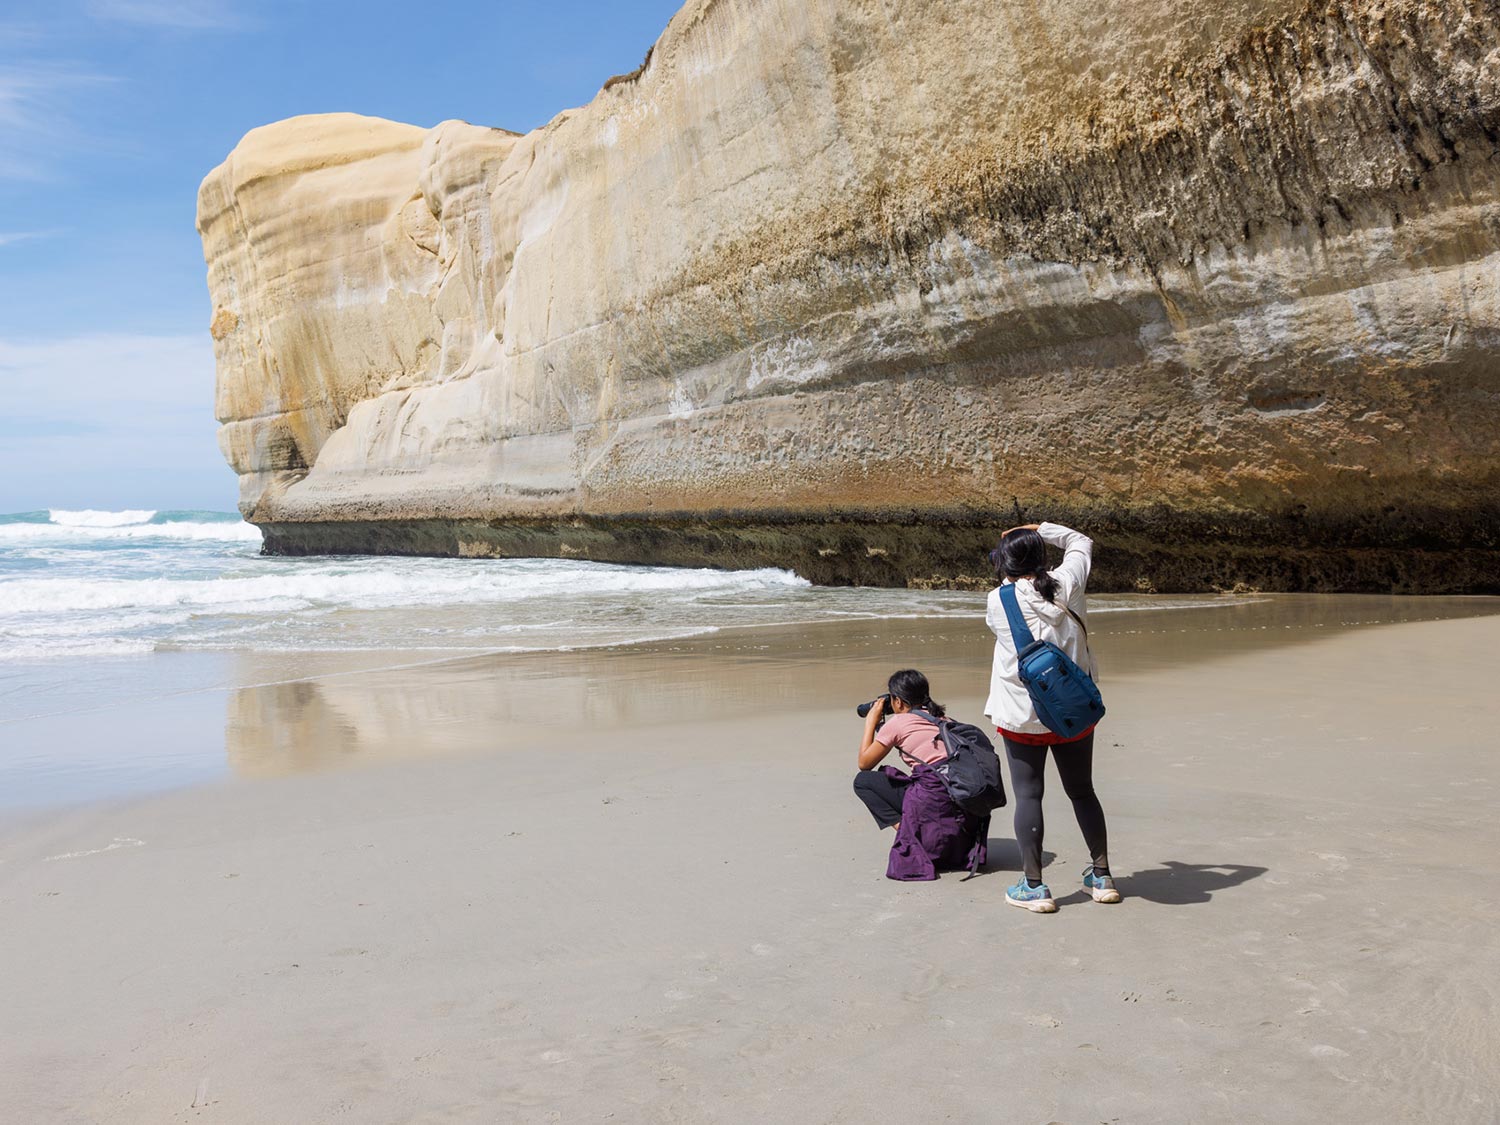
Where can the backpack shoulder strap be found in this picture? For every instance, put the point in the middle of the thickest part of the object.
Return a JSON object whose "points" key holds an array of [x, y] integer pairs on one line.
{"points": [[1078, 619], [942, 731], [1020, 635]]}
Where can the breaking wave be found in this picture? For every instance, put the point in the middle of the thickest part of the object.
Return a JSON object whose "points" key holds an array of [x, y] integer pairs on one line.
{"points": [[88, 525], [107, 583], [390, 583], [91, 518]]}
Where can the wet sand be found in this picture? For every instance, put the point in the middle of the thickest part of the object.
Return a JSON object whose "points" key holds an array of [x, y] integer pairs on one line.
{"points": [[634, 885], [118, 728]]}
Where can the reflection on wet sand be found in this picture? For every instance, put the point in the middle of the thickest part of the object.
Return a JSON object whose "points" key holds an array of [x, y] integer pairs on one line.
{"points": [[539, 702], [547, 702], [287, 728]]}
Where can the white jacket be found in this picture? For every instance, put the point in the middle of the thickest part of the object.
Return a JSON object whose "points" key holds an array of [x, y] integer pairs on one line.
{"points": [[1009, 705]]}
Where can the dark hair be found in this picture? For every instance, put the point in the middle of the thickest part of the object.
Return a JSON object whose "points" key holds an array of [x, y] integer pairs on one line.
{"points": [[1023, 554], [910, 686]]}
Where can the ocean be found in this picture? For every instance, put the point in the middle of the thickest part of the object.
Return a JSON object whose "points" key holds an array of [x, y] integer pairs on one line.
{"points": [[86, 584]]}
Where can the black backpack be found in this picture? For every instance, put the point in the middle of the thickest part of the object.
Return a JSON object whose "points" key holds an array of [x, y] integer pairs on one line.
{"points": [[971, 773]]}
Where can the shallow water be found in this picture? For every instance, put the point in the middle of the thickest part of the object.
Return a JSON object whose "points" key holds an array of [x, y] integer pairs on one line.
{"points": [[99, 609], [166, 719]]}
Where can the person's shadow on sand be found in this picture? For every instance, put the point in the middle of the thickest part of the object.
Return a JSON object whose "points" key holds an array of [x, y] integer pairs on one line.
{"points": [[1171, 884], [1182, 884]]}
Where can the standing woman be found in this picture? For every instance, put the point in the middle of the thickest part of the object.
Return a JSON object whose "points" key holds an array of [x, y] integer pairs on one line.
{"points": [[1053, 606]]}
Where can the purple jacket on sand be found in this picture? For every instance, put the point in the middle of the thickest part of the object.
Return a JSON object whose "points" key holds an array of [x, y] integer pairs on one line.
{"points": [[935, 834]]}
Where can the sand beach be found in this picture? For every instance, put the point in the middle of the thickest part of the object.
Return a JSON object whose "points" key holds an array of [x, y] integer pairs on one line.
{"points": [[632, 884]]}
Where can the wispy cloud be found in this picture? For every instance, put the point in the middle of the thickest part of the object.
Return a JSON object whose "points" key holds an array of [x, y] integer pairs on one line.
{"points": [[15, 36], [11, 237], [27, 89], [34, 121], [30, 428], [182, 15]]}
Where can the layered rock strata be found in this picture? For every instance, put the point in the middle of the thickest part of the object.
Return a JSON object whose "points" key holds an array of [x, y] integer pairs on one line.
{"points": [[844, 287]]}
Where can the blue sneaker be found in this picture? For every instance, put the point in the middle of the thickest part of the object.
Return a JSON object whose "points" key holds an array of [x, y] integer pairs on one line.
{"points": [[1038, 900], [1102, 887]]}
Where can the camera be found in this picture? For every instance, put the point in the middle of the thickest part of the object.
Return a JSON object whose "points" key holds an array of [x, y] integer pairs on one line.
{"points": [[864, 708]]}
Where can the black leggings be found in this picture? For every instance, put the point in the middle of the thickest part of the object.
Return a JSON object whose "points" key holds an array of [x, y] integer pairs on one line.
{"points": [[1075, 765], [882, 796]]}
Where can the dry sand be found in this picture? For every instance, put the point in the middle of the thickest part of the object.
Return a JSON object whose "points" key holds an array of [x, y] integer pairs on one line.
{"points": [[653, 897]]}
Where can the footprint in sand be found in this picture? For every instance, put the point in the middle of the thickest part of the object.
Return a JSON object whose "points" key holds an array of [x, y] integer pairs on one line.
{"points": [[878, 920], [119, 842]]}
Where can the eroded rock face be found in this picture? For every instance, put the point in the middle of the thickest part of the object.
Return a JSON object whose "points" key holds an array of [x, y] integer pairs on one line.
{"points": [[841, 287]]}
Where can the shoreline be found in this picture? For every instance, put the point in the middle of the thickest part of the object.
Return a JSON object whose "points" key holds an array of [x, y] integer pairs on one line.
{"points": [[672, 907]]}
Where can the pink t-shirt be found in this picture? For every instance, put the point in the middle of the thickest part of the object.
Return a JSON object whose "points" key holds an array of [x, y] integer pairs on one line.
{"points": [[916, 739]]}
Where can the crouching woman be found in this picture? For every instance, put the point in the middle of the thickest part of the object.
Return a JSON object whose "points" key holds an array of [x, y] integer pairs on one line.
{"points": [[932, 833]]}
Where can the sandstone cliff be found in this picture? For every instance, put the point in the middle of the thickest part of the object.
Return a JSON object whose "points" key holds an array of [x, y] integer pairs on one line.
{"points": [[841, 286]]}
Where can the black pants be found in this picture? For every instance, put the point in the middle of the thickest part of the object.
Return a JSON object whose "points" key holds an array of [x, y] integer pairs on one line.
{"points": [[1075, 765], [882, 796]]}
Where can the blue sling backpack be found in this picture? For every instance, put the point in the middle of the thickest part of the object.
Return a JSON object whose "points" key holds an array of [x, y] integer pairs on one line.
{"points": [[1064, 695]]}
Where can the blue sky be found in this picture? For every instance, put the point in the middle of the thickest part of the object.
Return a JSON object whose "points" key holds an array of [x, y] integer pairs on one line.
{"points": [[112, 111]]}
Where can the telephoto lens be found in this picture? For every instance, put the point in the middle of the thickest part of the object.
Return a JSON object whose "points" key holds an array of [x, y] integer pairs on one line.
{"points": [[864, 708]]}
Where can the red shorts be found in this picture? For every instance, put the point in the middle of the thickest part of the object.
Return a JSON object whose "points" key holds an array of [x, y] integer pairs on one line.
{"points": [[1047, 739]]}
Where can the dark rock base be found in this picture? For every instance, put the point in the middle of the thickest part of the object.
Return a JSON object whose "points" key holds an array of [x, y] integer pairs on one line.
{"points": [[1152, 551]]}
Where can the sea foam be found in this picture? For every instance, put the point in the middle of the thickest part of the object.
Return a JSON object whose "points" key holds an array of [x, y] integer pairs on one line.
{"points": [[102, 531], [81, 583], [91, 518], [376, 584]]}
